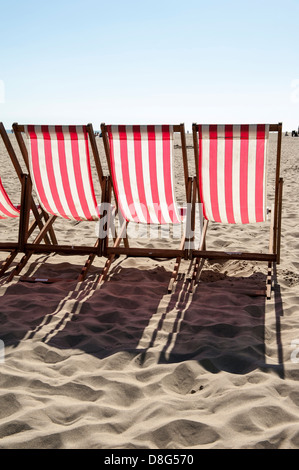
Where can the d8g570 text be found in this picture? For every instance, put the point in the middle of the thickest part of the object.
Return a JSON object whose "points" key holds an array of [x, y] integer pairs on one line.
{"points": [[170, 459]]}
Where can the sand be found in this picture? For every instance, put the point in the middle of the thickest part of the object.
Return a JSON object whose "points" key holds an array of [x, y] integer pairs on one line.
{"points": [[128, 366]]}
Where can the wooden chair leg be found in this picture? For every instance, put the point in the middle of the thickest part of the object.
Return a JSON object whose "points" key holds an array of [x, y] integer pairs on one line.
{"points": [[104, 274], [88, 264], [279, 215], [100, 243], [274, 223], [20, 266], [109, 261], [269, 282], [5, 265], [198, 265], [196, 273], [23, 223], [176, 268], [271, 250], [191, 194], [25, 212], [28, 255]]}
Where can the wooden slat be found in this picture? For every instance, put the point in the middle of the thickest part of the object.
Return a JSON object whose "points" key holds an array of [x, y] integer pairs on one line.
{"points": [[234, 255], [272, 127], [146, 252], [9, 246]]}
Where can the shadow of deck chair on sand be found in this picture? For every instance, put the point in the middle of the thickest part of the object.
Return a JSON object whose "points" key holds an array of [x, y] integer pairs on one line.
{"points": [[231, 178], [58, 161], [140, 162], [21, 211]]}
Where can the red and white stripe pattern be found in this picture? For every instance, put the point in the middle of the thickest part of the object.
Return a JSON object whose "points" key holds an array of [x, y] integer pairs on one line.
{"points": [[60, 170], [7, 209], [141, 166], [232, 172]]}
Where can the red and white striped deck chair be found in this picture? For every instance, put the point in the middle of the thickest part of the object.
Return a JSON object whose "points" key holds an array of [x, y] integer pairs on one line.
{"points": [[8, 210], [231, 166], [58, 160], [140, 161]]}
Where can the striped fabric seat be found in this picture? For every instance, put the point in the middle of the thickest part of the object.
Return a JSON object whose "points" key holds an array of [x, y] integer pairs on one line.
{"points": [[141, 159], [232, 172], [60, 170], [7, 209]]}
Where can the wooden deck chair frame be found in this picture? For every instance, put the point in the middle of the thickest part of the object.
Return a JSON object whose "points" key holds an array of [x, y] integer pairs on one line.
{"points": [[36, 246], [273, 255], [183, 251], [15, 248]]}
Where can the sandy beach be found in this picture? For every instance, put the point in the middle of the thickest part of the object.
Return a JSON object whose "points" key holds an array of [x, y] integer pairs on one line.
{"points": [[128, 366]]}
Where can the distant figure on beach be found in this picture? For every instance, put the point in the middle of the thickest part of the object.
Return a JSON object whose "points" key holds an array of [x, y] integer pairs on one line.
{"points": [[294, 134]]}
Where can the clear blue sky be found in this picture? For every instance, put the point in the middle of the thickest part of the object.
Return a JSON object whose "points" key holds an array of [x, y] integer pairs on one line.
{"points": [[127, 61]]}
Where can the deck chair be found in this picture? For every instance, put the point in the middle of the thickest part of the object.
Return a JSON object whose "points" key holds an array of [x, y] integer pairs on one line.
{"points": [[140, 162], [10, 211], [58, 161], [231, 175]]}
